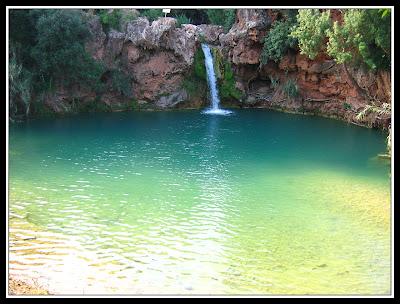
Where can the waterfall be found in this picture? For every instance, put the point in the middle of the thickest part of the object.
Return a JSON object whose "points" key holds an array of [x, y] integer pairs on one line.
{"points": [[212, 83]]}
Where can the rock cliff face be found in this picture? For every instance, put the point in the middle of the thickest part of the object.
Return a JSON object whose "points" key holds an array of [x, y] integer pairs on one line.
{"points": [[156, 56], [159, 56], [325, 88]]}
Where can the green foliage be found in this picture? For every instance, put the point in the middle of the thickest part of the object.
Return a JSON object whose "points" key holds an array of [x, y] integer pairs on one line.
{"points": [[95, 105], [110, 20], [151, 14], [278, 41], [311, 31], [190, 86], [384, 12], [59, 52], [227, 88], [48, 51], [121, 82], [274, 82], [290, 88], [199, 65], [22, 33], [195, 84], [364, 37], [133, 104], [39, 109], [127, 16], [218, 62], [346, 106], [224, 17], [182, 19]]}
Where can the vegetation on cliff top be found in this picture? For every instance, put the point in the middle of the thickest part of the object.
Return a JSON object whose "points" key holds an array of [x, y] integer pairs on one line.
{"points": [[362, 38], [310, 31], [278, 40]]}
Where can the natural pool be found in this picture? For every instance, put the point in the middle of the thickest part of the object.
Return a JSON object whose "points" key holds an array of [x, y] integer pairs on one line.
{"points": [[258, 202]]}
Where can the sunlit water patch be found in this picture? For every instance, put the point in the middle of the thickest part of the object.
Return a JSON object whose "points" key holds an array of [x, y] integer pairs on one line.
{"points": [[151, 203]]}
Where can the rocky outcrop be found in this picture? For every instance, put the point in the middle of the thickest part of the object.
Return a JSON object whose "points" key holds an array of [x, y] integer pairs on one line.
{"points": [[156, 55], [171, 100], [210, 33], [324, 87], [242, 44]]}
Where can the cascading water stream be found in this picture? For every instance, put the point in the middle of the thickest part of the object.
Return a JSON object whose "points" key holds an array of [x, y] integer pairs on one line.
{"points": [[212, 83]]}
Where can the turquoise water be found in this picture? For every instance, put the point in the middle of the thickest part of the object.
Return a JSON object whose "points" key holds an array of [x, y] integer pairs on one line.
{"points": [[258, 202]]}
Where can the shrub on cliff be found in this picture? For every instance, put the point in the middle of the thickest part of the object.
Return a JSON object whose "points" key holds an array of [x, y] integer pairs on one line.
{"points": [[290, 88], [363, 37], [47, 50], [121, 82], [199, 65], [228, 88], [110, 19], [278, 41], [311, 31], [59, 51]]}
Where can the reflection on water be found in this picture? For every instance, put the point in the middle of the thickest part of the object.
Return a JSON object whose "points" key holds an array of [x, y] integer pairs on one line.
{"points": [[189, 203]]}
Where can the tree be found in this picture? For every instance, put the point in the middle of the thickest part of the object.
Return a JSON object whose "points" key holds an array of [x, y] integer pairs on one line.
{"points": [[59, 52], [363, 37], [278, 40], [311, 31], [47, 48]]}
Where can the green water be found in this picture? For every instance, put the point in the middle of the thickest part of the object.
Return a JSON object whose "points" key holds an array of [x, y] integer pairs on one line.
{"points": [[179, 202]]}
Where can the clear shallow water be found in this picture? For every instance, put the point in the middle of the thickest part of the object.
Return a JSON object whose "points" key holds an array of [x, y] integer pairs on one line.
{"points": [[179, 202]]}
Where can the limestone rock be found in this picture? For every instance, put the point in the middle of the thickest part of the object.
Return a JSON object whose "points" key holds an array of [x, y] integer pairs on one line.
{"points": [[95, 45], [210, 32], [243, 42], [171, 100], [128, 15]]}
